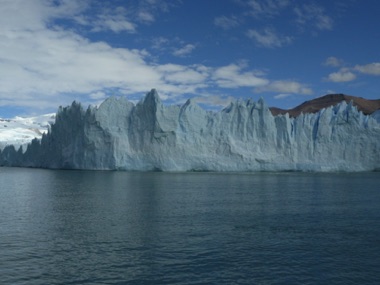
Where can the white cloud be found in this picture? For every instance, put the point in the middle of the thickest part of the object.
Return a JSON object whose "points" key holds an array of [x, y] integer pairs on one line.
{"points": [[63, 62], [314, 15], [116, 20], [266, 8], [268, 38], [146, 16], [175, 46], [44, 65], [324, 22], [232, 76], [184, 51], [333, 61], [105, 19], [16, 14], [225, 22], [108, 17], [159, 43], [371, 69], [114, 24], [179, 74], [285, 86], [98, 95], [147, 11], [343, 75], [282, 96]]}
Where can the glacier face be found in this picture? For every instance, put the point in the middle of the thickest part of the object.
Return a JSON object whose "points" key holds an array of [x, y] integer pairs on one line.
{"points": [[376, 115], [245, 136]]}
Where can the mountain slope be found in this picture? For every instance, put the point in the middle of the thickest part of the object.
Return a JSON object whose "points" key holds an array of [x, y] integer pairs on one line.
{"points": [[313, 106]]}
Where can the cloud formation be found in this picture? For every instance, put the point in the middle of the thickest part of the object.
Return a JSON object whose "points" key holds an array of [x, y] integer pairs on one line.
{"points": [[268, 38], [114, 23], [371, 69], [41, 60], [44, 64], [266, 8], [343, 75], [313, 15], [184, 51], [226, 23], [40, 63], [333, 62], [282, 96], [232, 76], [347, 74], [285, 86]]}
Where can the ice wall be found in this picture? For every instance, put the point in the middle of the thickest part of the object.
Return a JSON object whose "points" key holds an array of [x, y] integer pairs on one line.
{"points": [[245, 136]]}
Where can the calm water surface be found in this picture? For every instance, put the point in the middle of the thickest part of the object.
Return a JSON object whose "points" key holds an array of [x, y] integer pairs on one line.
{"points": [[82, 227]]}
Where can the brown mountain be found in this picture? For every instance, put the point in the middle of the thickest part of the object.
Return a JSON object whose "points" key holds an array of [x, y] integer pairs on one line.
{"points": [[313, 106]]}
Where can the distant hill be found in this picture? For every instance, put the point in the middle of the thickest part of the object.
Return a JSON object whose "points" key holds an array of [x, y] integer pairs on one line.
{"points": [[313, 106]]}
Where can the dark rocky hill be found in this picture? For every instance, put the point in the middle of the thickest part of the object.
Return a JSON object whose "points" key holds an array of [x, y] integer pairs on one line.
{"points": [[313, 106]]}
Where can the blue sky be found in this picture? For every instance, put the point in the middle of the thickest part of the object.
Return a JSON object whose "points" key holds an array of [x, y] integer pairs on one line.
{"points": [[287, 51]]}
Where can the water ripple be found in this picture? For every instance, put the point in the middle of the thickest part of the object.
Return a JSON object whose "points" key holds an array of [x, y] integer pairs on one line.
{"points": [[157, 228]]}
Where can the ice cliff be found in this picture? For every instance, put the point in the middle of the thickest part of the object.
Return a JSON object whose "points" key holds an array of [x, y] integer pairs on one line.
{"points": [[245, 136]]}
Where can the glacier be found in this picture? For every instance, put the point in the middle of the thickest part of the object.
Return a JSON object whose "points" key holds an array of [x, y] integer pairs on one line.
{"points": [[376, 115], [19, 131], [245, 136]]}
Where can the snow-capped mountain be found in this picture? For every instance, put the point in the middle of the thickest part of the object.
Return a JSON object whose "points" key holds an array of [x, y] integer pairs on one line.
{"points": [[244, 136], [20, 131]]}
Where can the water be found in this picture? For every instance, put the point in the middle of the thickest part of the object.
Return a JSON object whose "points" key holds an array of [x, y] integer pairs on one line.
{"points": [[82, 227]]}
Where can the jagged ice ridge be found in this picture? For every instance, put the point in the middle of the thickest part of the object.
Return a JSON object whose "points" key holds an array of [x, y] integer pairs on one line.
{"points": [[245, 136]]}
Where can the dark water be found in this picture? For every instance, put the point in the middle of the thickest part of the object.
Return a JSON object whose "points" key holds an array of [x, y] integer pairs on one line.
{"points": [[79, 227]]}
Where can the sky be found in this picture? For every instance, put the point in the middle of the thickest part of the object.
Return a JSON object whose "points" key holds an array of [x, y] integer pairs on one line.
{"points": [[53, 52]]}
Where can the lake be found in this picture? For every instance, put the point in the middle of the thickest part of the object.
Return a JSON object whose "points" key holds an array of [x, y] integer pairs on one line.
{"points": [[95, 227]]}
